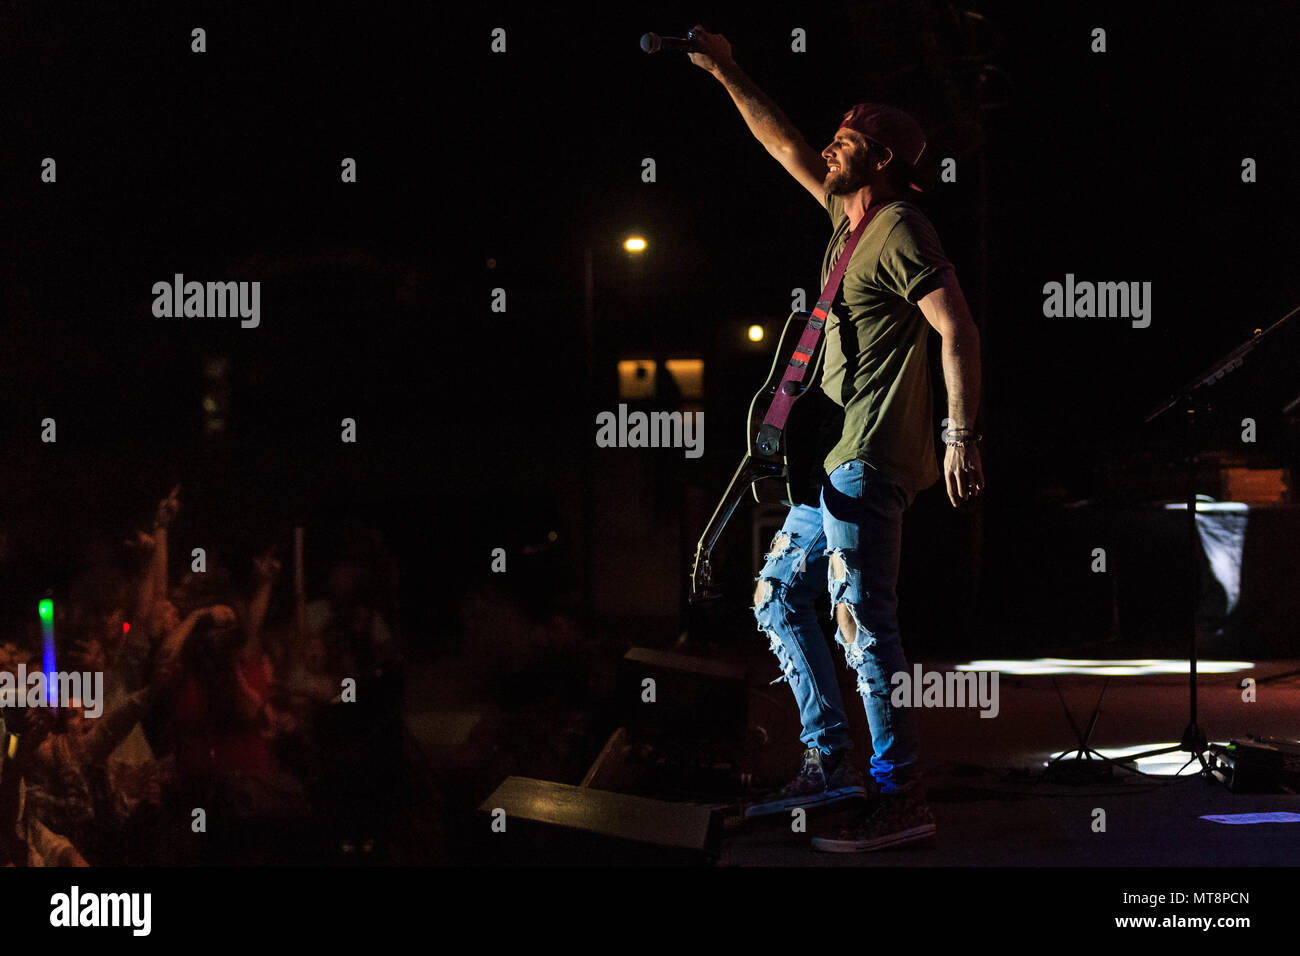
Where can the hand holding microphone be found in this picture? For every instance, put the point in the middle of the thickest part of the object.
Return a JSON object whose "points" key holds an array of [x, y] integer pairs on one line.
{"points": [[709, 51]]}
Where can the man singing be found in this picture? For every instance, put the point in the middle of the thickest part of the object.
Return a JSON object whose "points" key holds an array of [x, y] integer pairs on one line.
{"points": [[879, 452]]}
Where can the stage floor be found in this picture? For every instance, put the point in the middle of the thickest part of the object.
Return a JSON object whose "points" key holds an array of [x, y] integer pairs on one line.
{"points": [[984, 775], [993, 808]]}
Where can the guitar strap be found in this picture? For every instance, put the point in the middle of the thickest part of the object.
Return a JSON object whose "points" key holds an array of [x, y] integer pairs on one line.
{"points": [[769, 434]]}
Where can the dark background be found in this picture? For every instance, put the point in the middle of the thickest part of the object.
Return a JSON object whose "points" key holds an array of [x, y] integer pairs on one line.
{"points": [[479, 171]]}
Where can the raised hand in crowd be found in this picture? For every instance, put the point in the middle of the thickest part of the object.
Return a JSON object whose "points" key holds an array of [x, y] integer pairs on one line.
{"points": [[167, 509]]}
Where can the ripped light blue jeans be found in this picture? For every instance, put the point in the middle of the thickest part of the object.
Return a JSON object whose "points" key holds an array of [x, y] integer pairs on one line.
{"points": [[853, 541]]}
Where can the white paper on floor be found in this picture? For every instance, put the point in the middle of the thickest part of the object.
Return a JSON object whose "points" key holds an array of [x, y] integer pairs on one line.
{"points": [[1277, 816]]}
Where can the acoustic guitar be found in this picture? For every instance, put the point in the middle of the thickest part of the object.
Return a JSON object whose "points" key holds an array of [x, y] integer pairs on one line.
{"points": [[780, 465]]}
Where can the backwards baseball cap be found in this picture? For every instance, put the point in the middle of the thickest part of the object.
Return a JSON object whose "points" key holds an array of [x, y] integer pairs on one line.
{"points": [[892, 128]]}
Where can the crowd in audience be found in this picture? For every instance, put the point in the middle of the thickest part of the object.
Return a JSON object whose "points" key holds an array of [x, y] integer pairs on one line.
{"points": [[220, 739]]}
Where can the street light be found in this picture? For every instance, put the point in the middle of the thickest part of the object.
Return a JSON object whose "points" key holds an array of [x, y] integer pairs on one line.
{"points": [[634, 244]]}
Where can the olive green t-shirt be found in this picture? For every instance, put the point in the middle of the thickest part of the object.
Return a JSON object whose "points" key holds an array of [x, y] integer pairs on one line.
{"points": [[875, 366]]}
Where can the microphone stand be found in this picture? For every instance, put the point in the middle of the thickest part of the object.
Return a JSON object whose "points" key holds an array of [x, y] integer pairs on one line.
{"points": [[1194, 741]]}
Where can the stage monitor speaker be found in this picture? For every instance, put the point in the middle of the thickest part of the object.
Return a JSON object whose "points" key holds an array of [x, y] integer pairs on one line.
{"points": [[528, 821]]}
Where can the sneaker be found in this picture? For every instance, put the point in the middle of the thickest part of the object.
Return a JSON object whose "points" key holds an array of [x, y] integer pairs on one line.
{"points": [[824, 779], [891, 820], [844, 778]]}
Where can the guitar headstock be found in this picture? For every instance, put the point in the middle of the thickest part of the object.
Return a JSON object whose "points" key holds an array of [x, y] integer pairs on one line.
{"points": [[751, 469], [702, 579]]}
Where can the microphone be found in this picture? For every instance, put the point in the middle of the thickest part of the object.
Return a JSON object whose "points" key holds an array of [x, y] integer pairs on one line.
{"points": [[654, 43]]}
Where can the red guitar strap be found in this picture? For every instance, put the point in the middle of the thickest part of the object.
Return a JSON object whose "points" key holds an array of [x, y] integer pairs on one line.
{"points": [[792, 381]]}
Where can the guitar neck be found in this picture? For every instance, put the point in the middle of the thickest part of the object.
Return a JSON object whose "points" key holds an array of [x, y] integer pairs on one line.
{"points": [[751, 469]]}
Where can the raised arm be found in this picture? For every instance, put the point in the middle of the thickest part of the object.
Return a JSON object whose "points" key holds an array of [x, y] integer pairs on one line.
{"points": [[265, 569], [145, 591], [111, 729], [170, 648], [763, 117], [154, 585], [167, 509]]}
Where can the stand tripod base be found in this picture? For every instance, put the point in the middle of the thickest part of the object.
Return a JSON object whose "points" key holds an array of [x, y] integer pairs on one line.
{"points": [[1084, 765], [1194, 744], [1087, 766], [1082, 768]]}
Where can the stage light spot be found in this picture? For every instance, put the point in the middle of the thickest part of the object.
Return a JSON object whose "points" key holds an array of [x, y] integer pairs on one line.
{"points": [[1047, 666]]}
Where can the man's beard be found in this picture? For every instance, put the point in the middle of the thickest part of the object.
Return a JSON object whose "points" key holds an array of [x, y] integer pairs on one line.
{"points": [[843, 183]]}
